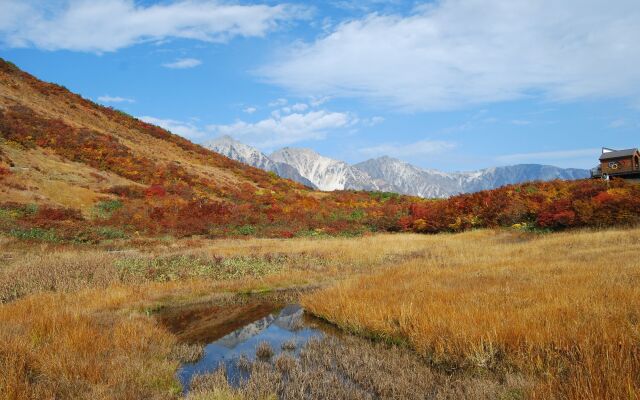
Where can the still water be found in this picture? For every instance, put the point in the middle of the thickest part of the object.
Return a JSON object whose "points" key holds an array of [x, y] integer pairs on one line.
{"points": [[274, 326]]}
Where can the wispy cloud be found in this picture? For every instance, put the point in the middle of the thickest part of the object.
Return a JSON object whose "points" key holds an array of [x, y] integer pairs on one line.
{"points": [[520, 122], [299, 107], [109, 25], [185, 129], [373, 121], [250, 110], [563, 156], [450, 54], [618, 123], [419, 148], [183, 63], [278, 102], [114, 99]]}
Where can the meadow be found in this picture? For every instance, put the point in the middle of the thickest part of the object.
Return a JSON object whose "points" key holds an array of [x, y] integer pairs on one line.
{"points": [[483, 314]]}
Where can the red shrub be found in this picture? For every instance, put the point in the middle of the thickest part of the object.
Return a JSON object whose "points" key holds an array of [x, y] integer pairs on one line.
{"points": [[155, 191]]}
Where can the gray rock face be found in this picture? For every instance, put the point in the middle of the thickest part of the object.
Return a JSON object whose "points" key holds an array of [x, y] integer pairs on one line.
{"points": [[238, 151], [324, 172]]}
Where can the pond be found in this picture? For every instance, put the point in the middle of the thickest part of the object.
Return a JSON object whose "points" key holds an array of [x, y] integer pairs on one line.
{"points": [[336, 366], [238, 334]]}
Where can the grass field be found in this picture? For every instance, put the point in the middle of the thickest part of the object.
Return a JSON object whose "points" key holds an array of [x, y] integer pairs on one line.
{"points": [[554, 315], [563, 309]]}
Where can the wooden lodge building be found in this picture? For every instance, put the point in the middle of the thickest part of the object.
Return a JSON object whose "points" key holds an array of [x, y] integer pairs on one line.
{"points": [[618, 164]]}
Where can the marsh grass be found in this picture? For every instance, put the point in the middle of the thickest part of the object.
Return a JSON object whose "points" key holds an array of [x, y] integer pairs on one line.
{"points": [[34, 268], [187, 352], [561, 309], [264, 351], [354, 368]]}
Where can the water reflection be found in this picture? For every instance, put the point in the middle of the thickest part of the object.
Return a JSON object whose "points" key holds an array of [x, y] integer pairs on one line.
{"points": [[285, 325]]}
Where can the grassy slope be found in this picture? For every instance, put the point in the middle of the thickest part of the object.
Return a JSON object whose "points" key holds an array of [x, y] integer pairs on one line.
{"points": [[34, 167]]}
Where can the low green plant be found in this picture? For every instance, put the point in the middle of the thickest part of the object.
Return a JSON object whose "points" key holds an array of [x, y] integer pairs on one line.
{"points": [[246, 230], [109, 233], [105, 208], [37, 234], [173, 268], [384, 196]]}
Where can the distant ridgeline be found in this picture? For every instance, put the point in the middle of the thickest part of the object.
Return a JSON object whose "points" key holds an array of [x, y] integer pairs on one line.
{"points": [[72, 170], [384, 173]]}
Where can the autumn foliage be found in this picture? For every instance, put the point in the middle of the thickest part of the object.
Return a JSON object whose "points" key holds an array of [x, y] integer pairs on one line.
{"points": [[551, 205]]}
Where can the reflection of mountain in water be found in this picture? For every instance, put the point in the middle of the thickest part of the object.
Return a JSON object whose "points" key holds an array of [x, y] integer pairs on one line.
{"points": [[288, 318]]}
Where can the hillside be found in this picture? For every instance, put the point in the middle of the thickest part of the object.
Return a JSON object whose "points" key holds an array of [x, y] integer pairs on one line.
{"points": [[74, 170], [60, 151]]}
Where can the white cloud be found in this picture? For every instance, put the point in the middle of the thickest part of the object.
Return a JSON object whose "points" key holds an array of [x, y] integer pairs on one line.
{"points": [[108, 25], [419, 148], [183, 63], [114, 99], [551, 156], [250, 110], [298, 107], [453, 53], [284, 130], [185, 129]]}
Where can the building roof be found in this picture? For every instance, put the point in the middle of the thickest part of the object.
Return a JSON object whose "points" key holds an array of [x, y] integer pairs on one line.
{"points": [[618, 154]]}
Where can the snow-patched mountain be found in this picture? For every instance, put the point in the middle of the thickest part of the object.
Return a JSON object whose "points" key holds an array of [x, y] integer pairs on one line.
{"points": [[398, 176], [393, 175], [491, 178], [385, 173], [325, 173], [229, 147]]}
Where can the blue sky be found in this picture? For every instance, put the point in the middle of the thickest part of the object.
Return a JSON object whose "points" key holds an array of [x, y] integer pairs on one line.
{"points": [[450, 84]]}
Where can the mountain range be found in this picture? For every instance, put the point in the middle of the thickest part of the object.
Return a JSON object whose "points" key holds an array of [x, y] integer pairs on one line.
{"points": [[384, 173]]}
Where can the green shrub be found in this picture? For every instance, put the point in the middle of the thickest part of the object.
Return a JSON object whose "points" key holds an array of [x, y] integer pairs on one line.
{"points": [[384, 196], [357, 215], [106, 207], [109, 232], [246, 230], [38, 234]]}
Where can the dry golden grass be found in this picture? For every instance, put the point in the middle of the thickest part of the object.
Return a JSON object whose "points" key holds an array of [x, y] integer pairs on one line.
{"points": [[76, 326], [563, 308], [55, 346], [559, 311]]}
